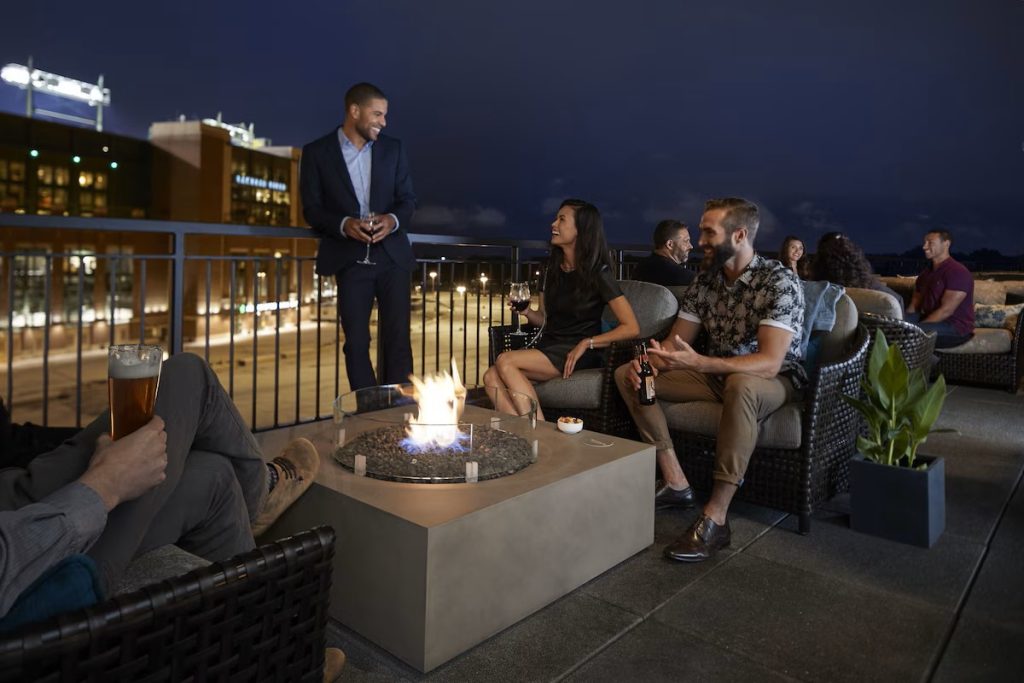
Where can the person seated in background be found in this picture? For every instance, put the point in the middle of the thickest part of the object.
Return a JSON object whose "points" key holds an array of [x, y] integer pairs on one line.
{"points": [[194, 476], [752, 310], [943, 300], [792, 254], [577, 283], [839, 260], [666, 265]]}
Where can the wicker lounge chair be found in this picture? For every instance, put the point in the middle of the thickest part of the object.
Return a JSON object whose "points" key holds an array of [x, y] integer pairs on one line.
{"points": [[591, 394], [804, 447], [260, 616]]}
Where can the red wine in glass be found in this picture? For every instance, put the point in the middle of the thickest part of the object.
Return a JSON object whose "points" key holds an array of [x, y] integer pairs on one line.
{"points": [[519, 296], [372, 222]]}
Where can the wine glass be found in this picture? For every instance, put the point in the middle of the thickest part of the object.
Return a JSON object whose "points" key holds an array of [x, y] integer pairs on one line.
{"points": [[519, 295], [372, 221]]}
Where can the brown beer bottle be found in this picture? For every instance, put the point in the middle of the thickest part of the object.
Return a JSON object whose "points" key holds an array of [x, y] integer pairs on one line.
{"points": [[646, 391]]}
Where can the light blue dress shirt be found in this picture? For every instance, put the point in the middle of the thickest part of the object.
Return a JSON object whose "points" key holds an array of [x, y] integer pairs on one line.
{"points": [[359, 163]]}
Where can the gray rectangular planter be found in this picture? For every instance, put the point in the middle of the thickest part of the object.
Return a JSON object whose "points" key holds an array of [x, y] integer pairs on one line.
{"points": [[899, 503]]}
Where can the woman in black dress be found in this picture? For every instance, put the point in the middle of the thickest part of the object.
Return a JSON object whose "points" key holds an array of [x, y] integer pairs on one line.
{"points": [[578, 282]]}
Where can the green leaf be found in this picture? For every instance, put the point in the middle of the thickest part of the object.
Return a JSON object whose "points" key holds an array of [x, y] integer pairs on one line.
{"points": [[879, 352], [930, 406], [869, 449]]}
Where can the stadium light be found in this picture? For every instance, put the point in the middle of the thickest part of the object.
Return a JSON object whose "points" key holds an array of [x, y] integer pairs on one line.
{"points": [[20, 76], [33, 80]]}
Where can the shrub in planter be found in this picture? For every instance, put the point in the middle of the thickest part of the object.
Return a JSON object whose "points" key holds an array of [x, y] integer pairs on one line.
{"points": [[894, 492]]}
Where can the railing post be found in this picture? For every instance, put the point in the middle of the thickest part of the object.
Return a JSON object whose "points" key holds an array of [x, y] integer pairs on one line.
{"points": [[620, 262], [515, 264], [177, 290]]}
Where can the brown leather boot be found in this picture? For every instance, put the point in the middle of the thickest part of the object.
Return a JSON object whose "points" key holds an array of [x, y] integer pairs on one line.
{"points": [[296, 469], [334, 661]]}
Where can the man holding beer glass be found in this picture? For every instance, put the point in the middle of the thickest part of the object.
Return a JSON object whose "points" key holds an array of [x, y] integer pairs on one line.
{"points": [[182, 468]]}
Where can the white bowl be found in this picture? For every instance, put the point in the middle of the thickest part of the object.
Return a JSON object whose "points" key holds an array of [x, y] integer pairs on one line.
{"points": [[570, 427]]}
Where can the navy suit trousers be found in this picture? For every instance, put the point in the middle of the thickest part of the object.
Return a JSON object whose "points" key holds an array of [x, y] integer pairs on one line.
{"points": [[358, 286]]}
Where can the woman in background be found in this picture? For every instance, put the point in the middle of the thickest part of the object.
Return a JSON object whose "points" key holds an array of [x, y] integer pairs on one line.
{"points": [[841, 261], [792, 255], [578, 282]]}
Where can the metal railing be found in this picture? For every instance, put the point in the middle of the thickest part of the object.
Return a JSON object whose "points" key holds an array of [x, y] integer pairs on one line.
{"points": [[264, 321]]}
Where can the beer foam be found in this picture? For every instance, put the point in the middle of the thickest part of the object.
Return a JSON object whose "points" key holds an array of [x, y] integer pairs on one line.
{"points": [[132, 369]]}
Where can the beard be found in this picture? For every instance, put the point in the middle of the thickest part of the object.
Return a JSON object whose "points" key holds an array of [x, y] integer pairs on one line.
{"points": [[363, 128], [720, 253]]}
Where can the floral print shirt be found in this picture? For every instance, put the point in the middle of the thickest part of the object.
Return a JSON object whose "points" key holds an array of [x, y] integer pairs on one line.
{"points": [[767, 293]]}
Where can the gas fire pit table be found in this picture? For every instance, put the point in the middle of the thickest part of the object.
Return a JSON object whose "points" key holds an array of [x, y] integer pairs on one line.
{"points": [[427, 569]]}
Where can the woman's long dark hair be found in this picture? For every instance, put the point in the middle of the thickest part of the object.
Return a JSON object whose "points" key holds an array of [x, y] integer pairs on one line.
{"points": [[592, 251], [841, 261]]}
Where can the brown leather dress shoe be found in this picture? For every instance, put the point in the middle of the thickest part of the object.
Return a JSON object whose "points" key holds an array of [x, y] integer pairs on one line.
{"points": [[668, 497], [700, 542]]}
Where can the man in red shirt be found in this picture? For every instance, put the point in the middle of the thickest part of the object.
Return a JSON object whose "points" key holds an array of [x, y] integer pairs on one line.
{"points": [[943, 300]]}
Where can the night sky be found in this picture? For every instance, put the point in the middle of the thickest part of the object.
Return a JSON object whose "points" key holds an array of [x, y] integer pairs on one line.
{"points": [[879, 118]]}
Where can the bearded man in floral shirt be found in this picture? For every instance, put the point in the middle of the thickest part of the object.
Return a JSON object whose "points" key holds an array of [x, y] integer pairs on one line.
{"points": [[752, 310]]}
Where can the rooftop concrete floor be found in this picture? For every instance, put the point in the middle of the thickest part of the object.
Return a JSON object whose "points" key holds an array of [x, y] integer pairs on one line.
{"points": [[834, 605]]}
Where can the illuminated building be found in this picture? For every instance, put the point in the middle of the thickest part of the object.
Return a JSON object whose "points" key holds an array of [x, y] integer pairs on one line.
{"points": [[189, 171]]}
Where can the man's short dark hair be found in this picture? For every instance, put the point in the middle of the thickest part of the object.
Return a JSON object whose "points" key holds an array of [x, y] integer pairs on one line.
{"points": [[739, 213], [362, 93], [944, 235], [667, 230]]}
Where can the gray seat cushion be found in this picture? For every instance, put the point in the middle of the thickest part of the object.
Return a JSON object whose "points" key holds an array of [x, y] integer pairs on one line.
{"points": [[985, 340], [162, 563], [581, 390], [781, 429], [836, 343], [654, 306], [873, 301]]}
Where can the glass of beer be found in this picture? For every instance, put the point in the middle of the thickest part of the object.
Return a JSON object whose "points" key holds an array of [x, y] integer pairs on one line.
{"points": [[133, 373]]}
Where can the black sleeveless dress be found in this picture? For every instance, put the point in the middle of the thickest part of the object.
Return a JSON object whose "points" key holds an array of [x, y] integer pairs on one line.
{"points": [[572, 314]]}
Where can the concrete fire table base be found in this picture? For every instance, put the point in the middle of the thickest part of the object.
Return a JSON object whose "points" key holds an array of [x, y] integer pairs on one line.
{"points": [[427, 571]]}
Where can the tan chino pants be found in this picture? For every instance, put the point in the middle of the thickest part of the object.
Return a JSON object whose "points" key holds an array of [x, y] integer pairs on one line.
{"points": [[746, 401]]}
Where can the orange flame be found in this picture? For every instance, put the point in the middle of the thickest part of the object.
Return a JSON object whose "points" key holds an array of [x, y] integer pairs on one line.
{"points": [[440, 400]]}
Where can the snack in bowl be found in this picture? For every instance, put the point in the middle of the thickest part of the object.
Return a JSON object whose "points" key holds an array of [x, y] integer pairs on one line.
{"points": [[570, 425]]}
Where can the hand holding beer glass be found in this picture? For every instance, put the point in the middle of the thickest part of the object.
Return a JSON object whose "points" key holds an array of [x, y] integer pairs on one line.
{"points": [[133, 373]]}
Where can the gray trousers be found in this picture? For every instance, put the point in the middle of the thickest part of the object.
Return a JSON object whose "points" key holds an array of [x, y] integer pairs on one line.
{"points": [[216, 479]]}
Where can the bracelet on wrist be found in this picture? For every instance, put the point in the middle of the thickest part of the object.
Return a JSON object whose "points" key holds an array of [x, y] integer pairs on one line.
{"points": [[591, 343]]}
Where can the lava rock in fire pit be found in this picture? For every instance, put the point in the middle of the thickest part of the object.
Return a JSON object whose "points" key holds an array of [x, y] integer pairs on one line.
{"points": [[497, 453]]}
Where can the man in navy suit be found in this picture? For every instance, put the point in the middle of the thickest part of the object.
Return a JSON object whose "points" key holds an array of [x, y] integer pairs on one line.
{"points": [[346, 175]]}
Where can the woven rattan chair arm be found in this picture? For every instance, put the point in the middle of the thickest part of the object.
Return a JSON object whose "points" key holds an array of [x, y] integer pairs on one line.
{"points": [[827, 416], [140, 627]]}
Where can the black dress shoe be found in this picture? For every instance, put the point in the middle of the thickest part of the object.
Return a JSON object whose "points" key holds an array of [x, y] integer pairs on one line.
{"points": [[700, 542], [668, 497]]}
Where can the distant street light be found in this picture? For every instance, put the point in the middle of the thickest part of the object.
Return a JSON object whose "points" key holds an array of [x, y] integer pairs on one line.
{"points": [[433, 280], [461, 289]]}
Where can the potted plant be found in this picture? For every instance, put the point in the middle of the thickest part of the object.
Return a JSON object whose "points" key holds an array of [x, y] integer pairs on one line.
{"points": [[895, 492]]}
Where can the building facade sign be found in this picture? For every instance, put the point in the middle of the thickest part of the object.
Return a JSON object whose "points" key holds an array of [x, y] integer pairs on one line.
{"points": [[260, 182]]}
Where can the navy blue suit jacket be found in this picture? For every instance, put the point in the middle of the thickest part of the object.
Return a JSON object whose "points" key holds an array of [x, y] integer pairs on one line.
{"points": [[328, 196]]}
